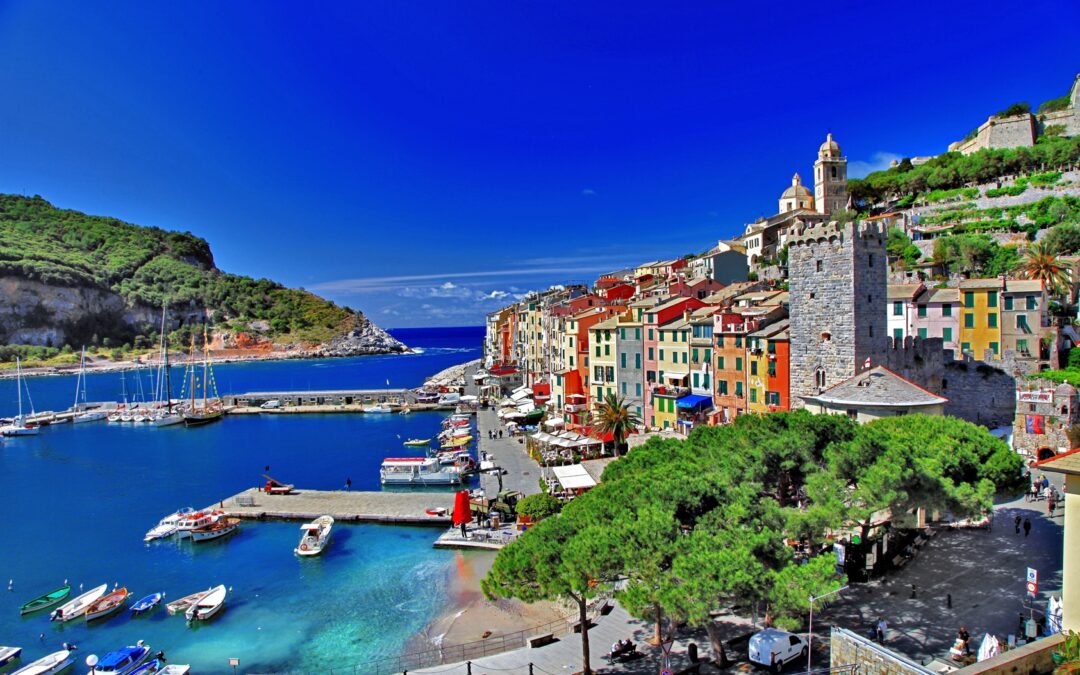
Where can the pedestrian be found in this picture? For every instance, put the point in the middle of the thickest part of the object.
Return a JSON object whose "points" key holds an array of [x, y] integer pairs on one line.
{"points": [[464, 535], [1027, 526], [948, 600], [500, 433], [1050, 504], [912, 591], [965, 638], [1017, 522], [348, 484], [881, 628]]}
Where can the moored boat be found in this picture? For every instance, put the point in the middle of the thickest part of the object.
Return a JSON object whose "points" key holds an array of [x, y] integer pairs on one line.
{"points": [[193, 521], [107, 604], [47, 665], [208, 606], [379, 408], [73, 609], [45, 601], [19, 426], [215, 530], [175, 669], [315, 537], [152, 667], [417, 471], [180, 606], [146, 604], [418, 442], [123, 661], [9, 654], [168, 525]]}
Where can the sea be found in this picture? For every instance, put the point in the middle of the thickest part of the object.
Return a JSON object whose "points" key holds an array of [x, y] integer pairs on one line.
{"points": [[77, 500]]}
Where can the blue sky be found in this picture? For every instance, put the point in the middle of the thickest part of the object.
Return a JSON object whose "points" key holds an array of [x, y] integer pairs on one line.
{"points": [[425, 162]]}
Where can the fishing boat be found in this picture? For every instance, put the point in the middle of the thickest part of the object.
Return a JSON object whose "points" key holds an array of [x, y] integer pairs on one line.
{"points": [[210, 411], [146, 604], [19, 426], [417, 471], [194, 521], [215, 530], [180, 606], [418, 442], [123, 661], [9, 654], [45, 601], [73, 609], [48, 665], [107, 604], [208, 606], [315, 536], [168, 525]]}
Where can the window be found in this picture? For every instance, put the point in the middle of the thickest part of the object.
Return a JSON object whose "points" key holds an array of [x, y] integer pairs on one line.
{"points": [[922, 311], [705, 381], [623, 388], [820, 378], [969, 299], [696, 355], [772, 368], [820, 266], [738, 389], [965, 346], [685, 357], [898, 333], [969, 320], [622, 360], [661, 336], [922, 333], [1022, 324], [898, 308], [946, 310], [719, 340], [738, 341], [1032, 303], [1022, 347], [870, 260], [598, 350], [753, 395], [708, 356], [650, 334], [650, 353], [637, 360], [607, 350], [994, 348], [720, 363], [722, 387], [991, 320], [599, 393], [622, 333], [991, 299], [772, 347], [946, 334], [696, 383], [1008, 300], [753, 367], [637, 389], [661, 354], [738, 363], [637, 333], [772, 398]]}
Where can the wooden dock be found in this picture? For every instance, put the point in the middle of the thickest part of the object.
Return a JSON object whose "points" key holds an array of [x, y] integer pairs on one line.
{"points": [[401, 508]]}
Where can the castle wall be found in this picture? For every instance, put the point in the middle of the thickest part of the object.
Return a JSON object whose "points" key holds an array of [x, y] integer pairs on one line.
{"points": [[1051, 409], [1005, 132], [1070, 119]]}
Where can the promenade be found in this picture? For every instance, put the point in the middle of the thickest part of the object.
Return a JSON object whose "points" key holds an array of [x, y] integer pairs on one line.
{"points": [[404, 508]]}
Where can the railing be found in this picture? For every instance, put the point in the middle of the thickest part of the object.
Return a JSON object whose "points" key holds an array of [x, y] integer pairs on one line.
{"points": [[575, 407]]}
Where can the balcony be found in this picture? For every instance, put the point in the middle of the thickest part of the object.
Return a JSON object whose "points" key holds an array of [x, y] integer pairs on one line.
{"points": [[669, 391], [573, 408]]}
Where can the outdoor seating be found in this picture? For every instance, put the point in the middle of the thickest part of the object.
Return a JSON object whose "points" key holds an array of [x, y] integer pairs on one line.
{"points": [[245, 500]]}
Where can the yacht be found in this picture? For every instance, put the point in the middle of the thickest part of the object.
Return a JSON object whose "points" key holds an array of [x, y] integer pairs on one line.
{"points": [[315, 537], [194, 521], [167, 526], [417, 471]]}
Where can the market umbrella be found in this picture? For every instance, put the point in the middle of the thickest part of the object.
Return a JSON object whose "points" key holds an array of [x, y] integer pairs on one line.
{"points": [[462, 510]]}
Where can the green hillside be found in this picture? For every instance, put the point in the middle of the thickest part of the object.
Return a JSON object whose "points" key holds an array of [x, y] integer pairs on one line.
{"points": [[148, 267]]}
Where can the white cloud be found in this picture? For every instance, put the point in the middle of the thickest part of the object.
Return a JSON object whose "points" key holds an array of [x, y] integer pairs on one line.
{"points": [[448, 286], [496, 295], [878, 162]]}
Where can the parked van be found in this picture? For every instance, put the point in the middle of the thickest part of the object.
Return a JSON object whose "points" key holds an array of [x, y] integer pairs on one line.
{"points": [[271, 405], [774, 648]]}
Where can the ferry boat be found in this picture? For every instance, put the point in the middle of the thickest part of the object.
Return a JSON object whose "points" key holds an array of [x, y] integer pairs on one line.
{"points": [[208, 606], [123, 661], [315, 537], [194, 521], [77, 607], [167, 526], [215, 530], [106, 604], [53, 663], [417, 471]]}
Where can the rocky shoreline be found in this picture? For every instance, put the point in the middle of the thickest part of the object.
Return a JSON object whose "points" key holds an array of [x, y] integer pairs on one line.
{"points": [[454, 376]]}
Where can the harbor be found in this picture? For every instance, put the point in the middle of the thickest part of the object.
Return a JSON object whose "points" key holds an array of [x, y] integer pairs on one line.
{"points": [[398, 508]]}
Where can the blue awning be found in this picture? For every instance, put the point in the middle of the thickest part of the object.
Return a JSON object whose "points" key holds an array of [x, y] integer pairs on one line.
{"points": [[693, 401]]}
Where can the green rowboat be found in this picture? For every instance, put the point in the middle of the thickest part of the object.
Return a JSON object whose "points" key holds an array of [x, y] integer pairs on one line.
{"points": [[47, 600]]}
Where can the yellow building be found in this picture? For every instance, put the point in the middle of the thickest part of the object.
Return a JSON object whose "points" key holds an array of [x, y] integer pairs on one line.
{"points": [[603, 344], [980, 318], [673, 371], [757, 369]]}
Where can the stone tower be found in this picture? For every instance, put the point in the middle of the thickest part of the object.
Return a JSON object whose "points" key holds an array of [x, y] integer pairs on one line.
{"points": [[830, 178], [836, 277]]}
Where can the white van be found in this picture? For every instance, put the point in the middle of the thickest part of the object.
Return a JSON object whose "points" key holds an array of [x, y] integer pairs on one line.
{"points": [[774, 648], [271, 405]]}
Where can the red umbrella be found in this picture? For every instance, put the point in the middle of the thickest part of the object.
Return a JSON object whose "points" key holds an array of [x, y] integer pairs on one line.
{"points": [[462, 510]]}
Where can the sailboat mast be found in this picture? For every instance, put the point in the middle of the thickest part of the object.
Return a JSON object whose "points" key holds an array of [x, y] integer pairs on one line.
{"points": [[205, 365], [165, 362], [78, 381], [192, 362], [18, 383]]}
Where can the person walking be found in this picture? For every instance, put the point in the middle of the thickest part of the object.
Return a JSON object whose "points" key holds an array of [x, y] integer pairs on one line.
{"points": [[1027, 526], [1051, 504], [1017, 521], [880, 630], [348, 484]]}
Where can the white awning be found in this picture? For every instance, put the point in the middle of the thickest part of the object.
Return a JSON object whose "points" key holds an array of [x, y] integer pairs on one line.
{"points": [[542, 437], [519, 394], [554, 423], [526, 407], [468, 399], [675, 374], [573, 477]]}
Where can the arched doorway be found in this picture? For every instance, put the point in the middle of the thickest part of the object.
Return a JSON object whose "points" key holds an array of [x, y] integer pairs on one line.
{"points": [[1044, 453]]}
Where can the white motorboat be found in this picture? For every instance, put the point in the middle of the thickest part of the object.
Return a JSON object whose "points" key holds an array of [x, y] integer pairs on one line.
{"points": [[417, 471], [450, 399], [181, 606], [194, 521], [9, 654], [53, 663], [380, 408], [90, 416], [315, 537], [167, 526], [174, 669], [215, 530], [167, 419], [77, 607], [208, 606]]}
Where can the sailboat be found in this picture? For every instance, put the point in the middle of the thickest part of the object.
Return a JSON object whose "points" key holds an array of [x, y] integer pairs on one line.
{"points": [[80, 393], [121, 414], [211, 410], [166, 417], [18, 426]]}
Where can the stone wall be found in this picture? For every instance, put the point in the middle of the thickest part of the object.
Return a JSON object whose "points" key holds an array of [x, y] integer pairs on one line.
{"points": [[849, 649], [1034, 657], [1000, 132], [837, 287], [1058, 414]]}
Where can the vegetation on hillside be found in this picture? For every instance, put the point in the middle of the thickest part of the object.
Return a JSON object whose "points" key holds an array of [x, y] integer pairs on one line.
{"points": [[150, 267], [694, 527]]}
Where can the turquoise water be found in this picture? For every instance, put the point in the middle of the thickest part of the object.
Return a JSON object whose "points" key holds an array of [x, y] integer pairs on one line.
{"points": [[77, 500]]}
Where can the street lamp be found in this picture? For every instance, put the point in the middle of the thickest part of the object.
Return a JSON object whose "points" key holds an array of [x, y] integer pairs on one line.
{"points": [[810, 632], [92, 661]]}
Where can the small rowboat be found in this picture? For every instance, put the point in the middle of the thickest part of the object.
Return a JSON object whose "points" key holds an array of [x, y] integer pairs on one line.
{"points": [[73, 609], [439, 511], [146, 604], [180, 606], [9, 654], [418, 442], [106, 604], [150, 667], [49, 665], [47, 600], [208, 606]]}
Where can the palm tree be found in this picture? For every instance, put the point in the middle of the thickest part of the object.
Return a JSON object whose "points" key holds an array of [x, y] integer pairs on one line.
{"points": [[613, 416], [1043, 264]]}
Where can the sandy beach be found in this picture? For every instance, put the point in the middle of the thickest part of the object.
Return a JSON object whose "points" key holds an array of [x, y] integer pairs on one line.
{"points": [[470, 614]]}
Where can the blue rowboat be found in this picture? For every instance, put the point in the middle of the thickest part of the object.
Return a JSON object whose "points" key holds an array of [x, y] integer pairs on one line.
{"points": [[146, 604], [149, 667]]}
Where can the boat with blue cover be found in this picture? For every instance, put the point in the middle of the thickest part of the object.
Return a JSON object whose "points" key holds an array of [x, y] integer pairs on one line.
{"points": [[123, 661], [146, 604]]}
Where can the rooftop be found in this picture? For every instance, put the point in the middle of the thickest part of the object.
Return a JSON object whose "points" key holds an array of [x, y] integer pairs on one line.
{"points": [[1067, 463], [878, 386], [902, 291]]}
